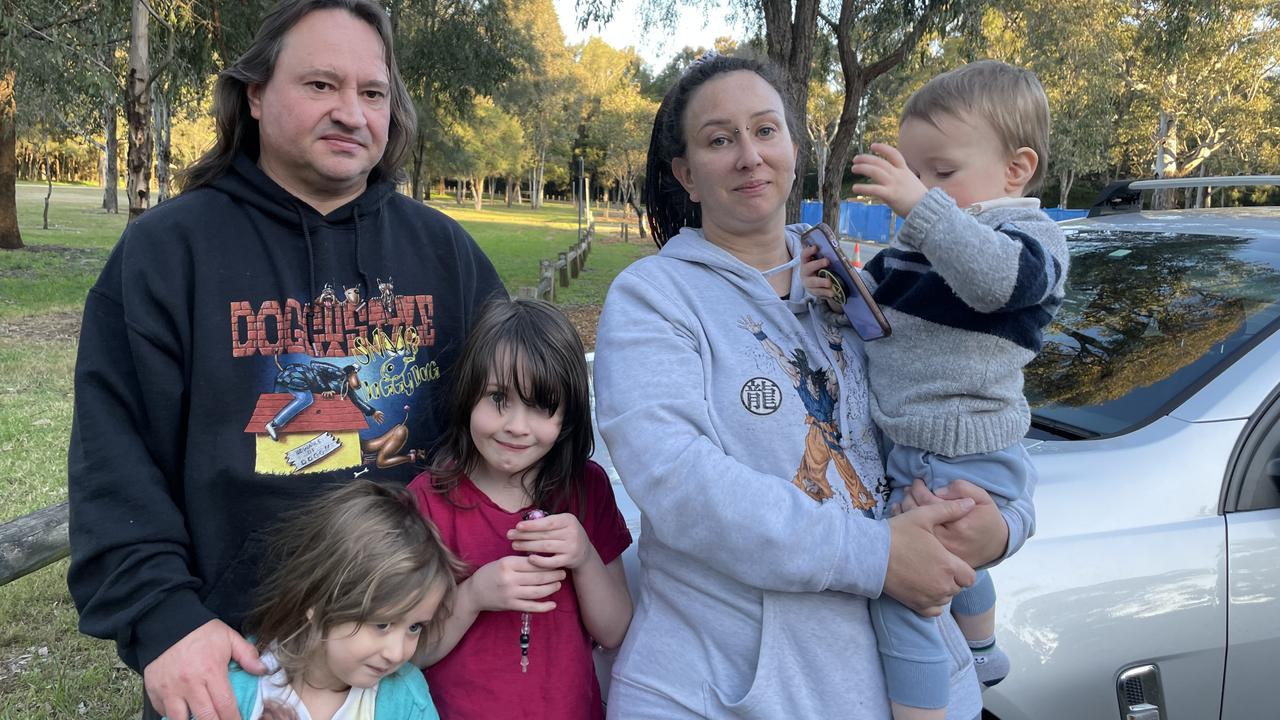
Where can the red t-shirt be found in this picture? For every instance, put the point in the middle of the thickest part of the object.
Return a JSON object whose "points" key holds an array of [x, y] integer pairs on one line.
{"points": [[481, 679]]}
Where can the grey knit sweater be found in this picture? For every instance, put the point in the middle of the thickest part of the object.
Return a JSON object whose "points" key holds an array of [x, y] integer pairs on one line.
{"points": [[968, 294]]}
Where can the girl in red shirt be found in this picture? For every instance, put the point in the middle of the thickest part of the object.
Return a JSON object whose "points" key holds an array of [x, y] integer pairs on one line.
{"points": [[515, 496]]}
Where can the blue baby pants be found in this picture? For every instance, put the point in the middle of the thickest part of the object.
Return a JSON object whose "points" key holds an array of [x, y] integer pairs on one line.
{"points": [[915, 659]]}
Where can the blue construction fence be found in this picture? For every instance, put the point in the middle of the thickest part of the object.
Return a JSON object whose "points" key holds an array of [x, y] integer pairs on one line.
{"points": [[871, 222]]}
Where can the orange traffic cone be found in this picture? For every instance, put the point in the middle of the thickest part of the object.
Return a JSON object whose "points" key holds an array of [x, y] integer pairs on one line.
{"points": [[857, 255]]}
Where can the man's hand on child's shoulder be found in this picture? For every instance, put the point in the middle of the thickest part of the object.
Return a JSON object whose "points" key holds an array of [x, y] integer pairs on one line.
{"points": [[891, 180]]}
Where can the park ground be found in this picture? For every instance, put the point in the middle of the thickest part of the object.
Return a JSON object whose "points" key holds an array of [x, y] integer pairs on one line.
{"points": [[47, 668]]}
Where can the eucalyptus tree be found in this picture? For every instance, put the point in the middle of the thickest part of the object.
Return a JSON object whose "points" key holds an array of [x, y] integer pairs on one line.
{"points": [[451, 52], [542, 93], [790, 28], [873, 38], [51, 78], [625, 121]]}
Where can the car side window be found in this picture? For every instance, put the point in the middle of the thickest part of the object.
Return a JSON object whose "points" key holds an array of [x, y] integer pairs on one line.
{"points": [[1255, 475]]}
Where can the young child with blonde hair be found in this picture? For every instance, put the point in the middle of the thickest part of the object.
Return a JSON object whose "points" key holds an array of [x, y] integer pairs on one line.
{"points": [[357, 581]]}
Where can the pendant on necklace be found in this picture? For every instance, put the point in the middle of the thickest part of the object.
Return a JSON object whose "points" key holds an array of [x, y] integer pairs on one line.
{"points": [[525, 617]]}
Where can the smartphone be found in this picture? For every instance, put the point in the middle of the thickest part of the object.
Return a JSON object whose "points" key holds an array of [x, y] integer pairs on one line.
{"points": [[863, 312]]}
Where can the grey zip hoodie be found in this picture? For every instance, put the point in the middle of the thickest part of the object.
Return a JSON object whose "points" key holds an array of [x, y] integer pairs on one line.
{"points": [[739, 425]]}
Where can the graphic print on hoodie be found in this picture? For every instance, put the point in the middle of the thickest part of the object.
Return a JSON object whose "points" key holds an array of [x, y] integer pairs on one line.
{"points": [[819, 392], [350, 408]]}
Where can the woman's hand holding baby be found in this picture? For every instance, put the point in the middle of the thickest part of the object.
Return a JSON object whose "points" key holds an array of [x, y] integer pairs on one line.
{"points": [[978, 538]]}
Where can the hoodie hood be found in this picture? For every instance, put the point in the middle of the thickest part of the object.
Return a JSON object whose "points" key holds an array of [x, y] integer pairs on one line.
{"points": [[691, 245], [246, 183]]}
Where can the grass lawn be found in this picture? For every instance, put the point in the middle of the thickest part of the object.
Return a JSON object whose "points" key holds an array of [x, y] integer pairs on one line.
{"points": [[47, 668]]}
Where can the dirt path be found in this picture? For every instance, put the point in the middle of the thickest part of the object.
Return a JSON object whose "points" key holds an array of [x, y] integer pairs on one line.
{"points": [[58, 326], [584, 319]]}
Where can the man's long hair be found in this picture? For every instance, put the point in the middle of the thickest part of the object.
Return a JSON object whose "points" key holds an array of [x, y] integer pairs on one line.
{"points": [[237, 130]]}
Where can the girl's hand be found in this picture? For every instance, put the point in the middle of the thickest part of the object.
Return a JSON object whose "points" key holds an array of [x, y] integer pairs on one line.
{"points": [[512, 583], [819, 286], [894, 182], [558, 541]]}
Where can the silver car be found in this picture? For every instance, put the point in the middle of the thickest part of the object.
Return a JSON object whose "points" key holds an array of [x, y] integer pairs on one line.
{"points": [[1151, 589]]}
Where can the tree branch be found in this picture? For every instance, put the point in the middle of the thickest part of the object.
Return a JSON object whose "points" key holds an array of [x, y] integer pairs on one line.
{"points": [[896, 56]]}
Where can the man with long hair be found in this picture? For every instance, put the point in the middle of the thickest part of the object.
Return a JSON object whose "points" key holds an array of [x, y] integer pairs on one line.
{"points": [[175, 468]]}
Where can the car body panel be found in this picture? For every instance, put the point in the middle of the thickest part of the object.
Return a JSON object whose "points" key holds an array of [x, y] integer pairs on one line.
{"points": [[1137, 551], [1240, 221], [1253, 615]]}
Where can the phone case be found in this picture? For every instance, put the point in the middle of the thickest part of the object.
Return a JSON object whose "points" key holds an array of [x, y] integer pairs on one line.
{"points": [[861, 309]]}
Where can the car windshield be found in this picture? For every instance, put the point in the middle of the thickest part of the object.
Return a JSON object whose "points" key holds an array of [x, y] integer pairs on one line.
{"points": [[1147, 316]]}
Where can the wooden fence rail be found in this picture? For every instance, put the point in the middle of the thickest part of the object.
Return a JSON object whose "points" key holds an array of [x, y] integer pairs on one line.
{"points": [[33, 541], [564, 269]]}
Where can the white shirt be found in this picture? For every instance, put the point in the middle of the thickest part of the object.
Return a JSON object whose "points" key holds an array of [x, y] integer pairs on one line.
{"points": [[359, 704]]}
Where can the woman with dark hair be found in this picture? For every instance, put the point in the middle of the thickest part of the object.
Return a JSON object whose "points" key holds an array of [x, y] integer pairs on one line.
{"points": [[737, 416]]}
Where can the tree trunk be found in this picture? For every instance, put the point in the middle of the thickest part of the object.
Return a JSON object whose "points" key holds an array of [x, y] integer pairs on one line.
{"points": [[163, 131], [631, 195], [137, 110], [821, 150], [477, 192], [415, 178], [459, 189], [536, 187], [507, 190], [110, 158], [855, 84], [10, 237], [48, 193], [1166, 149], [1066, 179], [789, 35]]}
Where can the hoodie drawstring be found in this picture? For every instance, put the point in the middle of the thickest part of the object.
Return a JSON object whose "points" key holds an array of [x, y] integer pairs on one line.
{"points": [[366, 288], [311, 255]]}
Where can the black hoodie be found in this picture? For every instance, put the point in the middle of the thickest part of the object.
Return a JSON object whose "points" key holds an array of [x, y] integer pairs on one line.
{"points": [[215, 310]]}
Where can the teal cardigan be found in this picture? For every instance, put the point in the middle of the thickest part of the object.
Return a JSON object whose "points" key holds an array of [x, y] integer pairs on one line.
{"points": [[402, 695]]}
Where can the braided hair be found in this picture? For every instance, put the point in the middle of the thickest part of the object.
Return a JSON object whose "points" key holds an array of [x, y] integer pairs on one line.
{"points": [[667, 203]]}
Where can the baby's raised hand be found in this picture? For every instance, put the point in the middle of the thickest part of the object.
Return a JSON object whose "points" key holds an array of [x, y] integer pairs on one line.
{"points": [[558, 541], [891, 180], [513, 583]]}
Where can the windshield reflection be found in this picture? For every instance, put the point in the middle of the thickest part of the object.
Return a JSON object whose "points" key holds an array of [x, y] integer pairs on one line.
{"points": [[1146, 316]]}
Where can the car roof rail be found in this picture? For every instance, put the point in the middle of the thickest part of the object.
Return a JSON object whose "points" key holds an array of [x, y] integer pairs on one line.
{"points": [[1125, 196]]}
